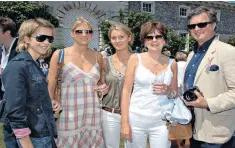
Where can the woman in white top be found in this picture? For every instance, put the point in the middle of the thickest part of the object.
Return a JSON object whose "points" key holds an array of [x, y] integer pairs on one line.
{"points": [[152, 76]]}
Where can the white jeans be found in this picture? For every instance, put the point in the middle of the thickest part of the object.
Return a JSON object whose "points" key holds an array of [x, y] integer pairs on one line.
{"points": [[142, 127], [111, 129]]}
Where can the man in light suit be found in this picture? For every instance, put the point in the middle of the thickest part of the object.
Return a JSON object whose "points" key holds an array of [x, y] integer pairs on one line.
{"points": [[211, 67]]}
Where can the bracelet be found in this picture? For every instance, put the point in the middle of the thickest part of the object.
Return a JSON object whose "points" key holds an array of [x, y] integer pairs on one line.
{"points": [[172, 94]]}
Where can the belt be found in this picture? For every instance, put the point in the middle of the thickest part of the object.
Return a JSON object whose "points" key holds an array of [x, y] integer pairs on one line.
{"points": [[112, 110]]}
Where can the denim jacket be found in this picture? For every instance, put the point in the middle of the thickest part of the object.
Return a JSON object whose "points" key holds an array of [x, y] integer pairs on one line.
{"points": [[28, 104]]}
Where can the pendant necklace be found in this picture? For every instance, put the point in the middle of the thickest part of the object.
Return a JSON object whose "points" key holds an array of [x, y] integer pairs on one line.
{"points": [[154, 66]]}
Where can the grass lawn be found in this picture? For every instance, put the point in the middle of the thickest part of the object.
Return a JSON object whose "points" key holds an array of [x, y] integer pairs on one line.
{"points": [[1, 138]]}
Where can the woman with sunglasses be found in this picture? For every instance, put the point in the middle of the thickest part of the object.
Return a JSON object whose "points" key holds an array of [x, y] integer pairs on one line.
{"points": [[153, 76], [121, 38], [79, 123], [29, 112]]}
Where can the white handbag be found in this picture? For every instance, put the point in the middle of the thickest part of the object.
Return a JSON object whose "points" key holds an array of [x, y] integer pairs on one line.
{"points": [[175, 111]]}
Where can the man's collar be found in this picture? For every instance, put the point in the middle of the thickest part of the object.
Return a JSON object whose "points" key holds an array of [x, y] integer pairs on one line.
{"points": [[204, 46], [12, 42]]}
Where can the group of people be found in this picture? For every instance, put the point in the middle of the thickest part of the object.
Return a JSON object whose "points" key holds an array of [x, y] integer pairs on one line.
{"points": [[103, 98]]}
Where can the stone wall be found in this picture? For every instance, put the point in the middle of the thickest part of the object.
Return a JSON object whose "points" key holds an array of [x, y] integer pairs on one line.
{"points": [[168, 13]]}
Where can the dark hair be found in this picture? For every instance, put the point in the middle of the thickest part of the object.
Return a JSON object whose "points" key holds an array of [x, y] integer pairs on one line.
{"points": [[211, 13], [150, 26], [8, 24]]}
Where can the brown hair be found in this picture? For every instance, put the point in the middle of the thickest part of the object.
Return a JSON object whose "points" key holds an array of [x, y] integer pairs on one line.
{"points": [[180, 56], [8, 24], [211, 13], [150, 26], [122, 27]]}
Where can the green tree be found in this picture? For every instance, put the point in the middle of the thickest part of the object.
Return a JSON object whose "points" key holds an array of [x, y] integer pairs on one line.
{"points": [[192, 41], [175, 42], [104, 26], [120, 17], [231, 40], [23, 10], [135, 20]]}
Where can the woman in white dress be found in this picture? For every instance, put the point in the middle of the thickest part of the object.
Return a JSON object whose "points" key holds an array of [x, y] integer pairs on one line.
{"points": [[152, 76]]}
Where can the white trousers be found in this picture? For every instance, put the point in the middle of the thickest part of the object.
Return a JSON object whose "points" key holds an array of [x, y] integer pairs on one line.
{"points": [[143, 127], [111, 129]]}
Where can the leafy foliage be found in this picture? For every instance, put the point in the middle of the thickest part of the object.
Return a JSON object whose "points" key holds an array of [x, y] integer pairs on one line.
{"points": [[23, 10], [192, 41], [135, 20], [231, 40], [105, 29], [120, 16], [175, 42]]}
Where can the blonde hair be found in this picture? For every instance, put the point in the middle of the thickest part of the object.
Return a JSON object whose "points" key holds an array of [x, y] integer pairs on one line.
{"points": [[80, 21], [180, 56], [27, 28], [122, 27]]}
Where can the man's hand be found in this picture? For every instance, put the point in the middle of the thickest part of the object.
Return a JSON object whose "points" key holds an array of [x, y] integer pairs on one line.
{"points": [[200, 102]]}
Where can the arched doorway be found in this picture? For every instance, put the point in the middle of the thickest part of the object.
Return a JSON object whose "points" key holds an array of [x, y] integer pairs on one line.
{"points": [[68, 21], [70, 11]]}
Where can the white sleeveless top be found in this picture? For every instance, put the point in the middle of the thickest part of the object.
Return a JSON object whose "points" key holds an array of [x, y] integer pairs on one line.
{"points": [[143, 101]]}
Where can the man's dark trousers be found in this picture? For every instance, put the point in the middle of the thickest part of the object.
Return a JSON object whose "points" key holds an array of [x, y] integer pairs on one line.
{"points": [[199, 144]]}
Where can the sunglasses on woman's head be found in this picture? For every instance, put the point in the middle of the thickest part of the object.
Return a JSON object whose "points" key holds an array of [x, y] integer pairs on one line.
{"points": [[199, 25], [149, 37], [42, 38], [83, 31]]}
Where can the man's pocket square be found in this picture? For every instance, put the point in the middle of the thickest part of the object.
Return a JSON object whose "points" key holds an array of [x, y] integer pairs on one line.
{"points": [[214, 67]]}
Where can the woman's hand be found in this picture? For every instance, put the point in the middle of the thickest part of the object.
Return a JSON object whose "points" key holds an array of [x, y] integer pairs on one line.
{"points": [[126, 132], [56, 106], [104, 88], [26, 142], [160, 89]]}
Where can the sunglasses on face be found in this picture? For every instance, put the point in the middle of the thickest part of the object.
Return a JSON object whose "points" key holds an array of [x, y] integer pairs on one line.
{"points": [[42, 38], [83, 31], [149, 37], [199, 25]]}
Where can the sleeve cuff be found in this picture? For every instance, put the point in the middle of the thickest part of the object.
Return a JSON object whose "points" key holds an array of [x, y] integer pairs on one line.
{"points": [[21, 133]]}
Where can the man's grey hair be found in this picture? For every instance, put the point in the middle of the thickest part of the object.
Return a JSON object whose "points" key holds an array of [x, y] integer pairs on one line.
{"points": [[211, 13]]}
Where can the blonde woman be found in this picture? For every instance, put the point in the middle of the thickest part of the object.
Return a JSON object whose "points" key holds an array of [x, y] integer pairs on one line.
{"points": [[150, 75], [29, 113], [121, 38], [79, 124]]}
